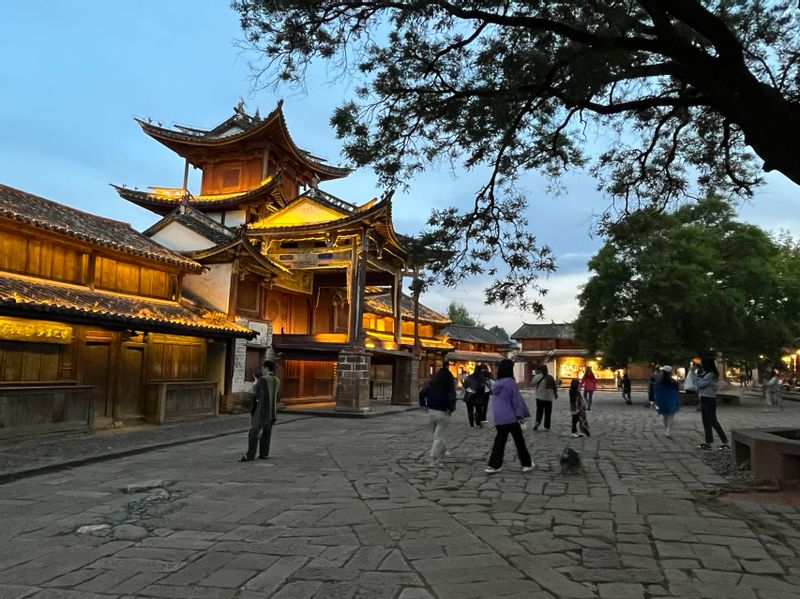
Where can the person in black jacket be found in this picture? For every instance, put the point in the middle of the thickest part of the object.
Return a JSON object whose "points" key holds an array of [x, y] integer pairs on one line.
{"points": [[439, 398], [263, 411], [625, 383]]}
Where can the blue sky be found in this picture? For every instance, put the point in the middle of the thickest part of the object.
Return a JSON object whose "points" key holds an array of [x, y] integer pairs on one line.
{"points": [[75, 74]]}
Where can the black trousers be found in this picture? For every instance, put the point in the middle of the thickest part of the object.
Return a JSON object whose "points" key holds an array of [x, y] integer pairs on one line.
{"points": [[481, 404], [499, 446], [576, 418], [262, 443], [471, 411], [708, 411], [543, 408]]}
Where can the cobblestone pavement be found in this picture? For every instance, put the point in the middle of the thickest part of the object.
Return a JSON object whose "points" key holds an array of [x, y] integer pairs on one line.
{"points": [[351, 508]]}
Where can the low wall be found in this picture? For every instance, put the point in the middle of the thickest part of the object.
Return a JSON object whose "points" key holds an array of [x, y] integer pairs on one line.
{"points": [[769, 453], [181, 400], [34, 409]]}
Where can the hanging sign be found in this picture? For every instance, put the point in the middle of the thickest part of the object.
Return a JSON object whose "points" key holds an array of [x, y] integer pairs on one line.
{"points": [[39, 331]]}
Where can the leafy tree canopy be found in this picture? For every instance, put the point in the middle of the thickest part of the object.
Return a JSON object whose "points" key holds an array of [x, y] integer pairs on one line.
{"points": [[667, 286], [458, 314], [690, 96], [500, 332]]}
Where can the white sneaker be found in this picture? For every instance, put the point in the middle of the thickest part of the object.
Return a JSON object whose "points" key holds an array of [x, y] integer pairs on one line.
{"points": [[447, 454], [576, 435], [490, 470], [436, 464], [668, 434], [528, 468]]}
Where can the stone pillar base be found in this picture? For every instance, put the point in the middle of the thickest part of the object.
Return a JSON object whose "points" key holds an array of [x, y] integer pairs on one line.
{"points": [[405, 381], [235, 403], [352, 381]]}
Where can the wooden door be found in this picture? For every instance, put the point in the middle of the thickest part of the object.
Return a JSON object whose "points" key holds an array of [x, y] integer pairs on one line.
{"points": [[130, 383], [96, 368]]}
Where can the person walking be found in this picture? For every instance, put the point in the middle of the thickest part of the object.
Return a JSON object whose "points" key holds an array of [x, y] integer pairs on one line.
{"points": [[484, 393], [665, 390], [546, 392], [263, 411], [472, 386], [589, 384], [625, 384], [706, 382], [439, 398], [509, 410], [651, 393], [772, 387], [577, 408]]}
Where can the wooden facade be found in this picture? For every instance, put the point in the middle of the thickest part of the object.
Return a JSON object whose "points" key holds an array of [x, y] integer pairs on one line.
{"points": [[473, 345], [91, 323], [290, 261], [554, 345]]}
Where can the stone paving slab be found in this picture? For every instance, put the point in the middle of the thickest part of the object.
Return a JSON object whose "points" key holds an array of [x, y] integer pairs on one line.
{"points": [[352, 508]]}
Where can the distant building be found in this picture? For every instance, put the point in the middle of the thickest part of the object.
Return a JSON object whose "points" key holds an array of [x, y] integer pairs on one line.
{"points": [[379, 324], [554, 346], [473, 346]]}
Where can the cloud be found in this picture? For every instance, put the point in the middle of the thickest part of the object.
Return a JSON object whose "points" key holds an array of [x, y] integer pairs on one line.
{"points": [[560, 303]]}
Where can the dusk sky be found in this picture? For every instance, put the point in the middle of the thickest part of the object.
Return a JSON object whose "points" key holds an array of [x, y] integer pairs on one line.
{"points": [[75, 74]]}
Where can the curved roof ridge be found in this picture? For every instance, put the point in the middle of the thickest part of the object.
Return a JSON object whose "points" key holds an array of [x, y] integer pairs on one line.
{"points": [[43, 213], [250, 126]]}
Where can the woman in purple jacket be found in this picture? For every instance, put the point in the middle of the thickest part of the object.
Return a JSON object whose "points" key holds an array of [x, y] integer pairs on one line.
{"points": [[509, 410]]}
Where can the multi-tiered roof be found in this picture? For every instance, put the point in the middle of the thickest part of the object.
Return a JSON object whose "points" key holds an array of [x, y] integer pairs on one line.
{"points": [[268, 162]]}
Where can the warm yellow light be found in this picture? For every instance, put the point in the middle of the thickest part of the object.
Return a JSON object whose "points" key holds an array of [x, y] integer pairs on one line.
{"points": [[302, 212], [330, 337]]}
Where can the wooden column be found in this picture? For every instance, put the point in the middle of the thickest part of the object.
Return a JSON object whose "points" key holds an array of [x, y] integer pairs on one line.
{"points": [[397, 313], [358, 280]]}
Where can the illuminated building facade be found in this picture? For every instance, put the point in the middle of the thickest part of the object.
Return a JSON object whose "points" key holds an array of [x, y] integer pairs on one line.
{"points": [[290, 261], [473, 346], [94, 329], [554, 345]]}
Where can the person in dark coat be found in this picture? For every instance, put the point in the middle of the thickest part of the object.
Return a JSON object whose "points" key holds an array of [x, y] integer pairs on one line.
{"points": [[472, 389], [439, 397], [625, 383], [263, 410]]}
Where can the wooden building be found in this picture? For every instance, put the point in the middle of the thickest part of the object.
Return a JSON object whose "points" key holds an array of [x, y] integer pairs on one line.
{"points": [[293, 262], [554, 346], [473, 346], [379, 327], [93, 325]]}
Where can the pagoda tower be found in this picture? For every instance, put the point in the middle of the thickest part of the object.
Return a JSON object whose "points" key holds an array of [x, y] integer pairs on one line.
{"points": [[299, 262]]}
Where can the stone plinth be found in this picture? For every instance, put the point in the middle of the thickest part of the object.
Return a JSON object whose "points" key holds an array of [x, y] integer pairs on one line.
{"points": [[352, 381], [405, 381]]}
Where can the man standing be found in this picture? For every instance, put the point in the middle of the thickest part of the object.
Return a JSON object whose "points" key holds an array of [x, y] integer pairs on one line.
{"points": [[262, 413]]}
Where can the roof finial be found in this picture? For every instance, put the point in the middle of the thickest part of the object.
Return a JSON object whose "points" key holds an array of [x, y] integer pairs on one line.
{"points": [[257, 115], [239, 108]]}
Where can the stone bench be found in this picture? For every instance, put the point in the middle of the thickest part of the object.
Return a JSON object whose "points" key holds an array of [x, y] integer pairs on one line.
{"points": [[770, 452]]}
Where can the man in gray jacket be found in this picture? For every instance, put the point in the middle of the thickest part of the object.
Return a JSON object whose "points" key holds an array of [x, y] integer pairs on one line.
{"points": [[262, 413]]}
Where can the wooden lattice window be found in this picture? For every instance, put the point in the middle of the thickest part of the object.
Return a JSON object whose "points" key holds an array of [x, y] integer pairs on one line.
{"points": [[247, 299]]}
